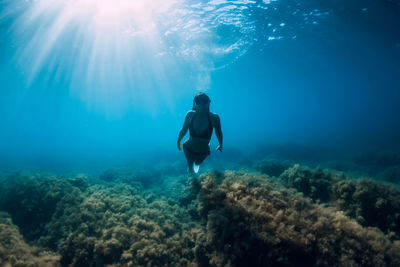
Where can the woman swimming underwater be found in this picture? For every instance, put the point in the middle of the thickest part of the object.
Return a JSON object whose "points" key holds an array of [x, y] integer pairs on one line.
{"points": [[200, 122]]}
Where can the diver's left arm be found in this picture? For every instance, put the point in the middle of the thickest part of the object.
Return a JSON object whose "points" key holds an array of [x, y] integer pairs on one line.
{"points": [[218, 131]]}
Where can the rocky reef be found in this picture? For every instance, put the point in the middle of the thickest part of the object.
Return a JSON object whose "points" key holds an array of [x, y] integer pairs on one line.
{"points": [[369, 202], [100, 223], [31, 200], [14, 251], [232, 218], [272, 167], [252, 221]]}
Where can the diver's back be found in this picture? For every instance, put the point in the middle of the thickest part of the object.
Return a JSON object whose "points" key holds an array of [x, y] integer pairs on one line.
{"points": [[201, 126]]}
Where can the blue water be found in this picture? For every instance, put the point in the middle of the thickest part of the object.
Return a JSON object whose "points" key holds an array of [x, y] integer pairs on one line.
{"points": [[93, 94], [83, 86]]}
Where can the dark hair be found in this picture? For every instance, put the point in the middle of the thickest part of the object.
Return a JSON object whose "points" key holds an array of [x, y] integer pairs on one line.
{"points": [[200, 98]]}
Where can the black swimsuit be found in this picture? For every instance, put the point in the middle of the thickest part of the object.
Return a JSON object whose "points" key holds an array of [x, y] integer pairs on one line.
{"points": [[198, 156], [207, 132]]}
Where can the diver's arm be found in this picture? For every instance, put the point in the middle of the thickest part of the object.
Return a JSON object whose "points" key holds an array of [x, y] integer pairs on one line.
{"points": [[184, 129], [218, 131]]}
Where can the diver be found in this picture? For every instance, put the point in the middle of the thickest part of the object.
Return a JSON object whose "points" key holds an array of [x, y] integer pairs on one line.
{"points": [[200, 122]]}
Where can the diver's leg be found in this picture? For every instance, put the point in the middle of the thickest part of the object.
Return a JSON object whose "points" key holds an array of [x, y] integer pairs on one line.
{"points": [[189, 159], [190, 166], [199, 161], [200, 158]]}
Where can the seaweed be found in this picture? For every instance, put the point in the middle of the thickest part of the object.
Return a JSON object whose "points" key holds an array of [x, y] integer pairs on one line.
{"points": [[369, 202], [316, 184], [231, 218], [272, 167], [32, 200], [14, 251], [119, 225], [251, 221], [146, 178]]}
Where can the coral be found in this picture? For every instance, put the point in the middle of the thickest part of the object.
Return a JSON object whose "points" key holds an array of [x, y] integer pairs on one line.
{"points": [[251, 222], [15, 252]]}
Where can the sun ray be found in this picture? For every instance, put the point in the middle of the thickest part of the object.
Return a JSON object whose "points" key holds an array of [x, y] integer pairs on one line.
{"points": [[119, 51]]}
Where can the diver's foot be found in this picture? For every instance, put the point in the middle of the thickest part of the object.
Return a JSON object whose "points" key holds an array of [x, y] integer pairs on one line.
{"points": [[190, 168], [196, 168]]}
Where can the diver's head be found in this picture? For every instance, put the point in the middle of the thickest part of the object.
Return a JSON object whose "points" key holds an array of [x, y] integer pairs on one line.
{"points": [[201, 102]]}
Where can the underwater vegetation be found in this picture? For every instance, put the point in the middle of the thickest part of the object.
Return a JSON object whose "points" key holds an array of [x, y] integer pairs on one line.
{"points": [[14, 251], [253, 221], [368, 202], [291, 217], [102, 223], [32, 200], [272, 167]]}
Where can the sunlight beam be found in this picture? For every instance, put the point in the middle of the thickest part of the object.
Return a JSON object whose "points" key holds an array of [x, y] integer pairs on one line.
{"points": [[127, 53]]}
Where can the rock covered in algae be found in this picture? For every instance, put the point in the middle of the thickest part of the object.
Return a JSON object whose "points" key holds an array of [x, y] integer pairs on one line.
{"points": [[119, 225], [316, 184], [15, 252], [220, 219], [370, 203], [272, 167], [253, 222], [32, 199]]}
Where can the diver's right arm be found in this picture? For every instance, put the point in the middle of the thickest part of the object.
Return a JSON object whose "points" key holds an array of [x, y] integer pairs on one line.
{"points": [[184, 129], [218, 131]]}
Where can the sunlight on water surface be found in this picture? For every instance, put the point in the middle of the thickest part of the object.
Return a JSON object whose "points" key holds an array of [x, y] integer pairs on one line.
{"points": [[123, 52]]}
